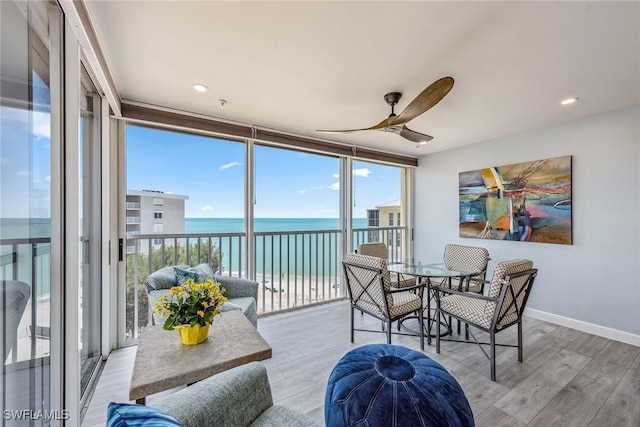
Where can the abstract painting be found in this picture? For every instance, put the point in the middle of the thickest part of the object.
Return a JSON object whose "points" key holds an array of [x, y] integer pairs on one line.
{"points": [[529, 202]]}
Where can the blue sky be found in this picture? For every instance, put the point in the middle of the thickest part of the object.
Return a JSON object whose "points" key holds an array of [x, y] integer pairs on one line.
{"points": [[289, 184]]}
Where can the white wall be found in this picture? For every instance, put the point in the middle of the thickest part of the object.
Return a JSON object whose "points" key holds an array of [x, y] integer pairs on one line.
{"points": [[592, 285]]}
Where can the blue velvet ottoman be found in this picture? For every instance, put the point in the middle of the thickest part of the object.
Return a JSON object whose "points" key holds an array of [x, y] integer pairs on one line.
{"points": [[391, 385]]}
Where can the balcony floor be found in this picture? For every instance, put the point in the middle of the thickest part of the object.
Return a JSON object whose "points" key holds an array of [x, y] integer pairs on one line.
{"points": [[567, 377]]}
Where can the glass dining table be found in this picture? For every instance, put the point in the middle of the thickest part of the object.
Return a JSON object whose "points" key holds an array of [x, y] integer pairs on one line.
{"points": [[433, 276]]}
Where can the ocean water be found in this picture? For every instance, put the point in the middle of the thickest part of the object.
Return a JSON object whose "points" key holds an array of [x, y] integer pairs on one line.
{"points": [[296, 254], [236, 225]]}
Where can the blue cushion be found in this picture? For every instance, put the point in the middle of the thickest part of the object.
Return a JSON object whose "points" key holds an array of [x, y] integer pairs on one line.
{"points": [[200, 273], [131, 414], [384, 385], [165, 278]]}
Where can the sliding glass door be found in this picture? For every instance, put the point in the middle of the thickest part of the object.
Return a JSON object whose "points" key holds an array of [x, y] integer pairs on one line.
{"points": [[28, 125], [89, 223]]}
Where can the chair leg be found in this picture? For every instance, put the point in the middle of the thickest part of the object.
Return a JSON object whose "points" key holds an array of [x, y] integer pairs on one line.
{"points": [[389, 331], [492, 352], [437, 331], [352, 324], [520, 341], [420, 319]]}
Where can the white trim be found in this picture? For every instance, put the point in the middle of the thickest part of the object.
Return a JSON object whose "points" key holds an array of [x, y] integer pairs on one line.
{"points": [[56, 342], [591, 328], [91, 52], [72, 236]]}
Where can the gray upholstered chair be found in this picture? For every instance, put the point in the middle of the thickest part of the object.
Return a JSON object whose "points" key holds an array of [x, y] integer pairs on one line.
{"points": [[380, 250], [508, 293], [14, 296], [370, 292], [242, 293], [238, 397]]}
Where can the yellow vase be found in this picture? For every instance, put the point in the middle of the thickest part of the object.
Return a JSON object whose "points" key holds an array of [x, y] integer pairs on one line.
{"points": [[192, 335]]}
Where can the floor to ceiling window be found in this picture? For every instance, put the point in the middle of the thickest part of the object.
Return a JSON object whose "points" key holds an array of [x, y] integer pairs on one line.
{"points": [[26, 200], [184, 205], [378, 206], [297, 227]]}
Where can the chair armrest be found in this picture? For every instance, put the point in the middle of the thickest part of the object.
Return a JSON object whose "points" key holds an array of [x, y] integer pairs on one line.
{"points": [[464, 294], [232, 398], [419, 286], [236, 287]]}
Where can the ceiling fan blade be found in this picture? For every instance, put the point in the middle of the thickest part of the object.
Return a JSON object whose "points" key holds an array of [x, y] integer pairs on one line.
{"points": [[414, 136], [425, 100], [383, 124]]}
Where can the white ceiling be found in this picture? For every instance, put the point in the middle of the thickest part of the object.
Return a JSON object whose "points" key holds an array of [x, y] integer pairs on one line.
{"points": [[301, 66]]}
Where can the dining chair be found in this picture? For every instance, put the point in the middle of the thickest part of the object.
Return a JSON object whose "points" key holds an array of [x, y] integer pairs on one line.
{"points": [[509, 290], [379, 249], [467, 258], [370, 291]]}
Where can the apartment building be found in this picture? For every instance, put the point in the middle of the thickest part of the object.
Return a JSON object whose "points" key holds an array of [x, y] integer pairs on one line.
{"points": [[151, 211]]}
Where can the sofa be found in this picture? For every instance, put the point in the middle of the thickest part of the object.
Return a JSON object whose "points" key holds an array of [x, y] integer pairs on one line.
{"points": [[238, 397], [242, 293]]}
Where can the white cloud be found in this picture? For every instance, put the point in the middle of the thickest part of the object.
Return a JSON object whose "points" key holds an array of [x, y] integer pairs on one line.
{"points": [[229, 165], [335, 175], [334, 186], [47, 179], [301, 191], [318, 187], [23, 173], [40, 123], [364, 172], [206, 208]]}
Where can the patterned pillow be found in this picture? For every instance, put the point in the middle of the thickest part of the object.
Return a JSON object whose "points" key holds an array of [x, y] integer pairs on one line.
{"points": [[133, 415], [183, 275], [200, 273]]}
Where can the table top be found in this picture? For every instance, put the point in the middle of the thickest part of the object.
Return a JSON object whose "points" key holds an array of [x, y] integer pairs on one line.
{"points": [[162, 362], [420, 269]]}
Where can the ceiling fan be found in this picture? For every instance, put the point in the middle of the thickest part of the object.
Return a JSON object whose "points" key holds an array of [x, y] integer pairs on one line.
{"points": [[423, 102]]}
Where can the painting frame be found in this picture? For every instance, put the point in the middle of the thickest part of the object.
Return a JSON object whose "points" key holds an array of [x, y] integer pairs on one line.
{"points": [[528, 201]]}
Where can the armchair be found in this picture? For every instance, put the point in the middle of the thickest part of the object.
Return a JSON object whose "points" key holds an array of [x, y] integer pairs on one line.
{"points": [[370, 292], [509, 290], [242, 293], [239, 397]]}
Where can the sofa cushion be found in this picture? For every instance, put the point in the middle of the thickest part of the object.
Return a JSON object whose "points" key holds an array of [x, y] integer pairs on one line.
{"points": [[131, 414], [165, 278], [279, 415]]}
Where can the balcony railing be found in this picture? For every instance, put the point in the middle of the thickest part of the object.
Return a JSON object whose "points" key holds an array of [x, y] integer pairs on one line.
{"points": [[293, 268], [29, 260]]}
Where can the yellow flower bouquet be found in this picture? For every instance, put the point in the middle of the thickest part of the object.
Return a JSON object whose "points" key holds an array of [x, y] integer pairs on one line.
{"points": [[191, 304]]}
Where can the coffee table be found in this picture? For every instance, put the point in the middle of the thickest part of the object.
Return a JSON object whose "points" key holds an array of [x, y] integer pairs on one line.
{"points": [[162, 362]]}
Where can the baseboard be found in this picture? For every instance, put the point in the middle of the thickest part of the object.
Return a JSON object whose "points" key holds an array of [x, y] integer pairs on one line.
{"points": [[602, 331]]}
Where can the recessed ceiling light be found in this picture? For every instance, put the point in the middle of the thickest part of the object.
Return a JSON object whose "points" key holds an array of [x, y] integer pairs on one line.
{"points": [[568, 101], [200, 88]]}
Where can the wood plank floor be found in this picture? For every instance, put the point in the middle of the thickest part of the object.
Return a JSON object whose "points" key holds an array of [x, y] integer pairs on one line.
{"points": [[567, 378]]}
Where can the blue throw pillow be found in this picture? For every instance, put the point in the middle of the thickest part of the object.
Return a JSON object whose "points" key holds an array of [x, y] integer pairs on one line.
{"points": [[183, 275], [200, 273], [133, 415]]}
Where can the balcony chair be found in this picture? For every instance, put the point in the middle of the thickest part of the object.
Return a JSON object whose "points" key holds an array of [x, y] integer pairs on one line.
{"points": [[380, 250], [509, 290], [13, 301], [370, 292], [238, 397], [242, 293]]}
